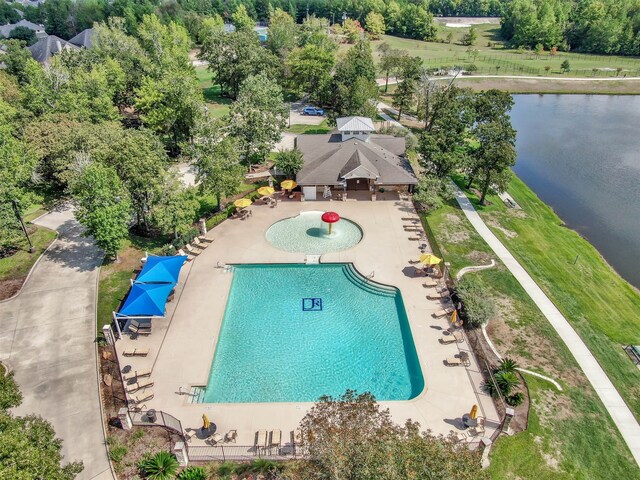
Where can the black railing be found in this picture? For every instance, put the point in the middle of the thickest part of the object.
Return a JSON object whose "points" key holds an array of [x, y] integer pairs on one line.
{"points": [[156, 418], [230, 451]]}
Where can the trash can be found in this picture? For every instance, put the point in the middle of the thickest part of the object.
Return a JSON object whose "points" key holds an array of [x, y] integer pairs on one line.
{"points": [[151, 416]]}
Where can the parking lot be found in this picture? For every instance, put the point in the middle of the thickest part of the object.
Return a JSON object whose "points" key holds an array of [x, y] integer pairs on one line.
{"points": [[297, 118]]}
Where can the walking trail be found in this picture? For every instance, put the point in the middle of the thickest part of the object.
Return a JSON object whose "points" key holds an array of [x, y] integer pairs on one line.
{"points": [[394, 80], [613, 402], [47, 337]]}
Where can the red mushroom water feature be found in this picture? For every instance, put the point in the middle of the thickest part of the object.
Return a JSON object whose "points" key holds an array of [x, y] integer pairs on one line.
{"points": [[330, 218]]}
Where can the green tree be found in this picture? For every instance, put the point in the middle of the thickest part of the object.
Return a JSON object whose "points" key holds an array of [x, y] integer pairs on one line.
{"points": [[416, 22], [432, 191], [390, 60], [471, 37], [171, 106], [355, 82], [10, 395], [352, 437], [289, 162], [374, 24], [310, 70], [565, 66], [16, 58], [57, 14], [258, 117], [177, 208], [217, 162], [282, 33], [241, 19], [25, 34], [352, 30], [166, 45], [409, 72], [104, 208]]}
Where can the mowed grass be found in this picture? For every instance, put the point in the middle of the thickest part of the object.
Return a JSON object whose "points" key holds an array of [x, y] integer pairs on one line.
{"points": [[218, 105], [508, 61], [301, 129], [19, 264], [569, 434], [600, 305]]}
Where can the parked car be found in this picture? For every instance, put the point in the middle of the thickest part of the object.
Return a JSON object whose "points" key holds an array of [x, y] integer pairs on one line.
{"points": [[312, 111]]}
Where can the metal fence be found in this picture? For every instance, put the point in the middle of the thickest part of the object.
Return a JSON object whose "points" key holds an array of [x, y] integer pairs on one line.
{"points": [[156, 418], [206, 453]]}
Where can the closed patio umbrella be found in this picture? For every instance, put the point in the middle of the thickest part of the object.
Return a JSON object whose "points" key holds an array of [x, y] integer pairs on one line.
{"points": [[206, 423], [473, 414]]}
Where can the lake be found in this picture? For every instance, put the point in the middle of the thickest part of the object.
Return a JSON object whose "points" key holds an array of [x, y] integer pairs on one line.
{"points": [[581, 155]]}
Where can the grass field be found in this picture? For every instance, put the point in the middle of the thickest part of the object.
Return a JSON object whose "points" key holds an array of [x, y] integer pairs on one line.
{"points": [[569, 435], [530, 85], [496, 59], [218, 106], [301, 129], [19, 264]]}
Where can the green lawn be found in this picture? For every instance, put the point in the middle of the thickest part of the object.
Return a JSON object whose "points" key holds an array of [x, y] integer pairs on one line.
{"points": [[510, 62], [569, 435], [218, 105], [600, 305], [310, 129], [19, 264]]}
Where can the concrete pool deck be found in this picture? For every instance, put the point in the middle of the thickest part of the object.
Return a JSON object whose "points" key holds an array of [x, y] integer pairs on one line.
{"points": [[182, 345]]}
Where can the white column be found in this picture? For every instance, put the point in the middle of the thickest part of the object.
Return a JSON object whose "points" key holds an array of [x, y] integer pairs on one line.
{"points": [[180, 451], [125, 419]]}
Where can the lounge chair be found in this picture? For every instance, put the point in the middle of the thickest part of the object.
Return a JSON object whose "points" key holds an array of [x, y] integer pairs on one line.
{"points": [[193, 251], [231, 436], [443, 312], [204, 238], [137, 374], [199, 244], [136, 352], [447, 339], [429, 283], [215, 439], [184, 254], [139, 385], [276, 438], [438, 295], [142, 397], [261, 438], [453, 361]]}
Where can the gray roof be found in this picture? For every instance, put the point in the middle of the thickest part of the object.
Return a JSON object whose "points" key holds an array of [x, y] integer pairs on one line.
{"points": [[330, 161], [360, 124], [83, 39], [5, 30], [46, 47]]}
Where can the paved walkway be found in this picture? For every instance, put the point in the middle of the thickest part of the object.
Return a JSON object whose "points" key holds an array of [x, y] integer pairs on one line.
{"points": [[394, 80], [613, 402], [47, 337]]}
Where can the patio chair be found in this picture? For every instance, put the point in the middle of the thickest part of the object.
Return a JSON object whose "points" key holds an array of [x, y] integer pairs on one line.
{"points": [[137, 374], [193, 251], [189, 434], [231, 436], [138, 329], [204, 238], [438, 295], [276, 438], [184, 254], [453, 362], [142, 397], [214, 439], [443, 312], [478, 430], [139, 385], [135, 352], [261, 438], [199, 244]]}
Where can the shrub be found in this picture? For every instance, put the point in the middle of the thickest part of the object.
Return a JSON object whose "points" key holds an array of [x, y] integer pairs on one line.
{"points": [[161, 466], [472, 68], [506, 382], [193, 473], [167, 250], [478, 308], [117, 452], [515, 400]]}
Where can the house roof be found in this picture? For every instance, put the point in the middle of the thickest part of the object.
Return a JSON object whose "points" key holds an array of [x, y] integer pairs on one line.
{"points": [[83, 39], [330, 161], [5, 30], [46, 47], [359, 124]]}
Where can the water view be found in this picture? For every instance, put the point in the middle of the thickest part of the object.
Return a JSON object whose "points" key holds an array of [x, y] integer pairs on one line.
{"points": [[581, 155]]}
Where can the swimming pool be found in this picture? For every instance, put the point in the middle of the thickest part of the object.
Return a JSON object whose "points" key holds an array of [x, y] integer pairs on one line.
{"points": [[307, 233], [292, 333]]}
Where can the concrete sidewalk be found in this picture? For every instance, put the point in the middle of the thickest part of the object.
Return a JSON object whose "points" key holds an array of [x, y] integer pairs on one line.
{"points": [[613, 402], [47, 336]]}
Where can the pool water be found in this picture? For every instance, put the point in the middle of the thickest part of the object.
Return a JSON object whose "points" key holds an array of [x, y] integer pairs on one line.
{"points": [[307, 233], [276, 347]]}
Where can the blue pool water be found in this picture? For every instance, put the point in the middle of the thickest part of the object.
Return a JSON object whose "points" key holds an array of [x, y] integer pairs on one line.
{"points": [[272, 350]]}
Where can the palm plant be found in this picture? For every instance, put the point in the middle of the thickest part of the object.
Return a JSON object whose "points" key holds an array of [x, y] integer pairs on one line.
{"points": [[507, 365], [506, 382], [161, 466]]}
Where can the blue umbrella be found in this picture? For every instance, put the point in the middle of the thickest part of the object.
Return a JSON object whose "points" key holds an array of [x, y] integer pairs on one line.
{"points": [[161, 269], [146, 300]]}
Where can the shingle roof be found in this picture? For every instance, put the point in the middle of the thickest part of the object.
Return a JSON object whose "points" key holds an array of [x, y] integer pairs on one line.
{"points": [[83, 39], [48, 46], [359, 124], [5, 30], [329, 161]]}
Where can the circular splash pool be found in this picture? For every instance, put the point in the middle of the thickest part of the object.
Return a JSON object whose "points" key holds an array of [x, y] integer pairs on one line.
{"points": [[307, 233]]}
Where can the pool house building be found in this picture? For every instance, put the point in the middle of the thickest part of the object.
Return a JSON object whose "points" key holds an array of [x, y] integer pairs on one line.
{"points": [[353, 161]]}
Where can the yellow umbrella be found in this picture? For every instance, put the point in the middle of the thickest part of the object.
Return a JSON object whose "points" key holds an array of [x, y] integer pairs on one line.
{"points": [[473, 414], [288, 184], [206, 423], [429, 259], [265, 191], [454, 317], [242, 203]]}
